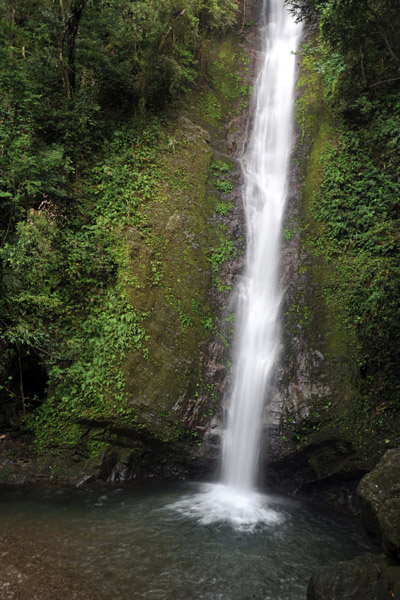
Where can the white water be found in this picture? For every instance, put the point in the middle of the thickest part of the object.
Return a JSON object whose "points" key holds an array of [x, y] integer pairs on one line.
{"points": [[265, 165]]}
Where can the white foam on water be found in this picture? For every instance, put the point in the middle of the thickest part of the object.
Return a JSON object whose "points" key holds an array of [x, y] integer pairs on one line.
{"points": [[220, 503]]}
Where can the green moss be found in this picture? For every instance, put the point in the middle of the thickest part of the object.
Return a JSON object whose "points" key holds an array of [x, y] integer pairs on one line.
{"points": [[224, 89], [309, 309], [181, 218], [329, 300]]}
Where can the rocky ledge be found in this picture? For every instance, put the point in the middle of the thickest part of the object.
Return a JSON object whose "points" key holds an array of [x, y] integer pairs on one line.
{"points": [[369, 577]]}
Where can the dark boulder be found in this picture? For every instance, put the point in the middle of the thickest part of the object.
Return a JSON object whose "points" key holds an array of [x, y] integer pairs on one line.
{"points": [[378, 496], [367, 577]]}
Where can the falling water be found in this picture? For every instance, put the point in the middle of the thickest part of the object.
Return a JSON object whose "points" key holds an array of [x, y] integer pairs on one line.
{"points": [[265, 165]]}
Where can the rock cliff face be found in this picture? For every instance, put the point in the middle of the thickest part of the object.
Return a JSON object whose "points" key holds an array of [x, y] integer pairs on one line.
{"points": [[178, 388], [320, 435], [182, 260]]}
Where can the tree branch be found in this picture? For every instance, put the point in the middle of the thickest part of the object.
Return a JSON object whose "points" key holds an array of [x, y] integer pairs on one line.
{"points": [[183, 11], [385, 81]]}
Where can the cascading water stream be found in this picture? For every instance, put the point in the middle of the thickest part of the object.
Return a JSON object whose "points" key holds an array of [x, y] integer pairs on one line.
{"points": [[265, 165]]}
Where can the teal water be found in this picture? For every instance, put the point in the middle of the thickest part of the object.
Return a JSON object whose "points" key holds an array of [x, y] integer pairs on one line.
{"points": [[133, 543]]}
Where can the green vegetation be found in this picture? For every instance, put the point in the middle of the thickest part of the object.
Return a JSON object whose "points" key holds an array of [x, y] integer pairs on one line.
{"points": [[350, 115], [220, 171], [222, 253], [104, 209]]}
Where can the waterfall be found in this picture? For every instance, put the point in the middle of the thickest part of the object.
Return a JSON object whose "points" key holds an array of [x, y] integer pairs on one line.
{"points": [[265, 166]]}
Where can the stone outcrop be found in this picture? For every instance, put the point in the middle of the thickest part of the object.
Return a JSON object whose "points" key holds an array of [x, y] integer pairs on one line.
{"points": [[378, 496], [369, 577]]}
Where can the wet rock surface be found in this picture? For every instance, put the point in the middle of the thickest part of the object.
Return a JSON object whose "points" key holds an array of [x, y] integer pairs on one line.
{"points": [[378, 496], [367, 577]]}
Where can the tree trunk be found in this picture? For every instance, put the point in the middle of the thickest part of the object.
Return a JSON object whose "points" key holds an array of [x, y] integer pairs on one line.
{"points": [[67, 49]]}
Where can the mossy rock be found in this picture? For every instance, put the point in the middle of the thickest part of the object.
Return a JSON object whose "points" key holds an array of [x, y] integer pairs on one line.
{"points": [[329, 419], [169, 395]]}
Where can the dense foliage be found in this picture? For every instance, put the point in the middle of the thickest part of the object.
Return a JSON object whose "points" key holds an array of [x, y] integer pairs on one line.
{"points": [[79, 84], [355, 206], [66, 67], [364, 34]]}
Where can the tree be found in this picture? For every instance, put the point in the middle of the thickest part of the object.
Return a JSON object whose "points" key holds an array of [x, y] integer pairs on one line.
{"points": [[365, 32], [71, 17]]}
